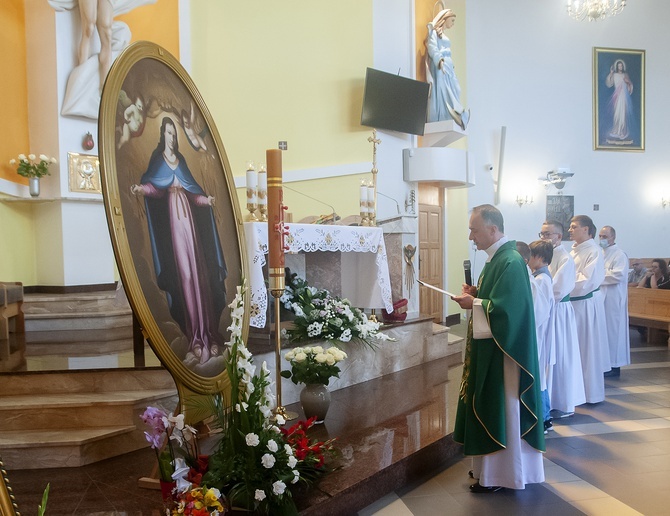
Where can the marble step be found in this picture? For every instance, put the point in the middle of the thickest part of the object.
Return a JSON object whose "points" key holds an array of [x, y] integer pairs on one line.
{"points": [[77, 302], [80, 311], [79, 343], [80, 336], [72, 382], [40, 449], [55, 420], [78, 410], [78, 321]]}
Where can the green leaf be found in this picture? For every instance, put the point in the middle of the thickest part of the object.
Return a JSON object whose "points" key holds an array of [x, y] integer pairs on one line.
{"points": [[42, 508]]}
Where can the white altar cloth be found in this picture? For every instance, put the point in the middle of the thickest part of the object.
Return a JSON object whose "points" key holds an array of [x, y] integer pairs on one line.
{"points": [[365, 272]]}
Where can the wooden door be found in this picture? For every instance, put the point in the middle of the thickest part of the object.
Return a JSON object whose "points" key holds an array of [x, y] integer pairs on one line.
{"points": [[430, 252]]}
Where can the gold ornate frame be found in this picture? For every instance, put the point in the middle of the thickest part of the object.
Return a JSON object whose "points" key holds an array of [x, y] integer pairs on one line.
{"points": [[607, 133], [146, 85], [8, 505]]}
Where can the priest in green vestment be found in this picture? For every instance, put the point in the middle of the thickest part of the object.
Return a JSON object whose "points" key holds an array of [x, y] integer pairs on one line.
{"points": [[499, 417]]}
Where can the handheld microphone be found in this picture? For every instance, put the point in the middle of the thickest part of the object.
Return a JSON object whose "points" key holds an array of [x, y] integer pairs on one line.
{"points": [[468, 273]]}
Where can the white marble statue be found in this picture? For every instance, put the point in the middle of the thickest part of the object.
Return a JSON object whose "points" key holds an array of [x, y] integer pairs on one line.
{"points": [[82, 93]]}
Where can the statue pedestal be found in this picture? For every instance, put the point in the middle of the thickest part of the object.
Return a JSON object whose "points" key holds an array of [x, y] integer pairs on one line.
{"points": [[441, 134]]}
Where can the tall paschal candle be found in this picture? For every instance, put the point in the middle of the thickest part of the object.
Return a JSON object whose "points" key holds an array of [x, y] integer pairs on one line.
{"points": [[275, 223]]}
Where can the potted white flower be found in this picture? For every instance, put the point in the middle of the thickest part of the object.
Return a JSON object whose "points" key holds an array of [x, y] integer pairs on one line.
{"points": [[314, 366], [34, 168]]}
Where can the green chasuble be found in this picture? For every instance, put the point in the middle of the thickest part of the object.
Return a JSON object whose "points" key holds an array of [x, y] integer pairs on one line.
{"points": [[507, 300]]}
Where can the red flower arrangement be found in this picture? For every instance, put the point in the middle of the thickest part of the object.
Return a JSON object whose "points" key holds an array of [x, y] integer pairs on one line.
{"points": [[311, 455]]}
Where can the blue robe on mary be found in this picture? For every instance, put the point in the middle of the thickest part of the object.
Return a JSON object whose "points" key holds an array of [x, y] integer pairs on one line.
{"points": [[161, 177]]}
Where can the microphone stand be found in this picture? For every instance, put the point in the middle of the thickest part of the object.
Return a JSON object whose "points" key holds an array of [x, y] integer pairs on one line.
{"points": [[335, 215]]}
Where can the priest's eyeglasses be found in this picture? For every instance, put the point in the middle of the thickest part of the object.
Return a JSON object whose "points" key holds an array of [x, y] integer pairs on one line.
{"points": [[546, 234]]}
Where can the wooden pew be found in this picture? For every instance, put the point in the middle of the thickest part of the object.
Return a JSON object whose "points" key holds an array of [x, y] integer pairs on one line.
{"points": [[11, 299], [650, 308]]}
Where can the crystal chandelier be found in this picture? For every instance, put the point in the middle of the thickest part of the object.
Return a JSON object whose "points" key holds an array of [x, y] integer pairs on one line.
{"points": [[594, 9]]}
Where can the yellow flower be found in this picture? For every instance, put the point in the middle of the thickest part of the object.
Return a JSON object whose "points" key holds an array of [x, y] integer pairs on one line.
{"points": [[211, 500]]}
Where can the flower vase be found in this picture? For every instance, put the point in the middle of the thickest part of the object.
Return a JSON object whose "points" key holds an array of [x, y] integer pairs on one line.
{"points": [[34, 186], [315, 401], [166, 490]]}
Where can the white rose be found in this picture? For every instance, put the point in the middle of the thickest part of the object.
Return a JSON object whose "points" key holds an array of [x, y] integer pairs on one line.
{"points": [[22, 157], [330, 359], [317, 349], [296, 476], [252, 439], [31, 157], [300, 357], [43, 157], [321, 358], [292, 461], [272, 446], [259, 495], [53, 160], [346, 335], [12, 162], [289, 355], [278, 487], [280, 420], [288, 449], [268, 460]]}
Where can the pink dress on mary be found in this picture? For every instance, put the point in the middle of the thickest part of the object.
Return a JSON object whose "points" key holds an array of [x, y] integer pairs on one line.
{"points": [[187, 253]]}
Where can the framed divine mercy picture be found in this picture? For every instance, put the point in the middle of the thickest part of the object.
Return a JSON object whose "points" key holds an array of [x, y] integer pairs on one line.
{"points": [[173, 213], [618, 99]]}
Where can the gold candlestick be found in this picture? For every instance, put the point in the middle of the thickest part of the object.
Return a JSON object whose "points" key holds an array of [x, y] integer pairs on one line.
{"points": [[252, 188], [251, 208], [365, 221], [263, 192], [373, 209]]}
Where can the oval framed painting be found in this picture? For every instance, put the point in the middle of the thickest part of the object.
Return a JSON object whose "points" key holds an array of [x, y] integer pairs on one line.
{"points": [[173, 213]]}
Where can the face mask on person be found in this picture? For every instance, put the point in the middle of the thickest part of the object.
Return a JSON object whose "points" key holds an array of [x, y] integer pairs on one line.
{"points": [[604, 243]]}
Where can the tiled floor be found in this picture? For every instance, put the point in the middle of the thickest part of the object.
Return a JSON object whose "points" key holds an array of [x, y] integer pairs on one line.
{"points": [[610, 459]]}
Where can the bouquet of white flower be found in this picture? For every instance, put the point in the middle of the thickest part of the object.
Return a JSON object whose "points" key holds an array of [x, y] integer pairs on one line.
{"points": [[28, 166], [310, 365], [320, 316]]}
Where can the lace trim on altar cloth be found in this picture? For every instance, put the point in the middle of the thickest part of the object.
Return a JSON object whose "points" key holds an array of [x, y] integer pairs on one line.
{"points": [[310, 238]]}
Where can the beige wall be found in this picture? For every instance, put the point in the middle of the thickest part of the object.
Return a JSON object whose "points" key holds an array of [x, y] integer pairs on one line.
{"points": [[291, 71]]}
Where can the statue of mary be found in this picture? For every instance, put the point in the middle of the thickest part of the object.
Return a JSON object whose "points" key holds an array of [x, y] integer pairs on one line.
{"points": [[445, 103]]}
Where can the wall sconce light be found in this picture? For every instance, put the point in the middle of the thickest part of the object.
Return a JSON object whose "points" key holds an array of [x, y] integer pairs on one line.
{"points": [[524, 200]]}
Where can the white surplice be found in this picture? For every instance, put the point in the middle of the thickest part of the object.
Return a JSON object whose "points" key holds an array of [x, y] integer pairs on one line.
{"points": [[590, 317], [615, 293], [543, 307], [566, 386]]}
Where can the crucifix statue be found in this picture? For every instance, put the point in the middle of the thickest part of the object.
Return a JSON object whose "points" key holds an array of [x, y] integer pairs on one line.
{"points": [[374, 141]]}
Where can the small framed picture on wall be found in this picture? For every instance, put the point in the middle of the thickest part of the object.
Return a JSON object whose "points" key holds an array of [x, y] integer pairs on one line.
{"points": [[561, 208], [618, 99]]}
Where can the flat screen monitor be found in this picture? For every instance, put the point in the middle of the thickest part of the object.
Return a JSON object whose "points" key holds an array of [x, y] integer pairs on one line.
{"points": [[395, 103]]}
